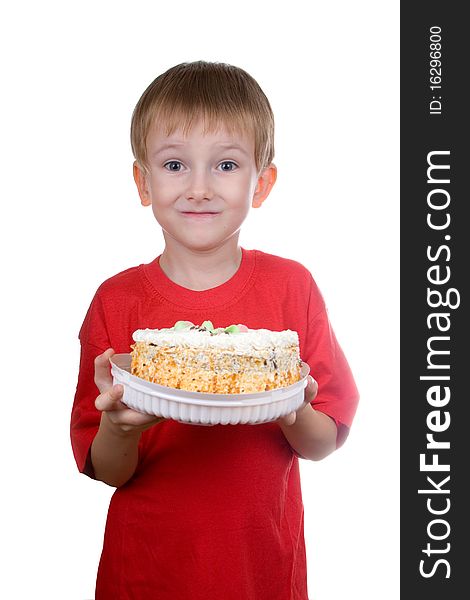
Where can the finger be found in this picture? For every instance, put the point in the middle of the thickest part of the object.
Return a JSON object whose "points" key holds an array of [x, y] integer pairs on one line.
{"points": [[103, 378], [111, 399], [129, 419], [289, 419]]}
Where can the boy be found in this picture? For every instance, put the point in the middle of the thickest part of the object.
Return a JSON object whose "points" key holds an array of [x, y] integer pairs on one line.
{"points": [[205, 512]]}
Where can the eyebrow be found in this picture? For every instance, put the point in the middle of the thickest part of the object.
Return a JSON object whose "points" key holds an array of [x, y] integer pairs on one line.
{"points": [[224, 145], [168, 147]]}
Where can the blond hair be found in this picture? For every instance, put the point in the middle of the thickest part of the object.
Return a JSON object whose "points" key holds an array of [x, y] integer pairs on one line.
{"points": [[220, 93]]}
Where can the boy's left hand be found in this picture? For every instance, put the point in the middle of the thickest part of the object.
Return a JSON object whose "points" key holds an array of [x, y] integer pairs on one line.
{"points": [[310, 393]]}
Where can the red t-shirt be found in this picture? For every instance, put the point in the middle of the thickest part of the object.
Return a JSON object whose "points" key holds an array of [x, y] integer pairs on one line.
{"points": [[211, 512]]}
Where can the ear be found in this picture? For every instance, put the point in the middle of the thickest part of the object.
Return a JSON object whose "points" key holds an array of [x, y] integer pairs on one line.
{"points": [[140, 178], [266, 180]]}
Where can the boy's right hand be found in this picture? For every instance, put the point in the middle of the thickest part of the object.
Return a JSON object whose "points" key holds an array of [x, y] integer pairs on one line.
{"points": [[120, 417]]}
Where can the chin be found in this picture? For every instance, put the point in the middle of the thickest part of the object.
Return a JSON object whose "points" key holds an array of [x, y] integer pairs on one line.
{"points": [[202, 240], [205, 243]]}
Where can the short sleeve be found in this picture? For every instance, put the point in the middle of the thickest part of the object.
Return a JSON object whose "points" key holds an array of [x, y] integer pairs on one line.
{"points": [[85, 418], [337, 392]]}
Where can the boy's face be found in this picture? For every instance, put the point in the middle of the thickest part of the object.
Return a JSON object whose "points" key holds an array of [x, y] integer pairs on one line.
{"points": [[201, 186]]}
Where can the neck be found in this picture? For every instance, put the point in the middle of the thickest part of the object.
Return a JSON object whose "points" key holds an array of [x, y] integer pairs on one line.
{"points": [[200, 269]]}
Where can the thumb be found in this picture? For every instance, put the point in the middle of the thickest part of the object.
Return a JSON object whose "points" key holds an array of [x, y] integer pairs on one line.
{"points": [[310, 390], [103, 378]]}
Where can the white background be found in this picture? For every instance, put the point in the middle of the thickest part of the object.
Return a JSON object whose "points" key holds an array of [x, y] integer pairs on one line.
{"points": [[71, 75]]}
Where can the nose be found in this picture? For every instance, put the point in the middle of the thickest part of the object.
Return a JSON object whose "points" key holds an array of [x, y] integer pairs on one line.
{"points": [[199, 186]]}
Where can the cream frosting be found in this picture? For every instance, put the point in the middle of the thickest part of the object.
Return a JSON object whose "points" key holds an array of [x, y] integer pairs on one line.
{"points": [[253, 339]]}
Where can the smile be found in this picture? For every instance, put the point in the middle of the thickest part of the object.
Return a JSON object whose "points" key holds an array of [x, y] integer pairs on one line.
{"points": [[200, 215]]}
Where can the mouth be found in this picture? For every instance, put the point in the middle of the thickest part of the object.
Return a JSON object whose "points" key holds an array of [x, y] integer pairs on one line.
{"points": [[200, 214]]}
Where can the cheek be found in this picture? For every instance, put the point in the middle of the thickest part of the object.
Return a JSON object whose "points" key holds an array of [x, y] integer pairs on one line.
{"points": [[162, 191], [158, 187], [240, 192]]}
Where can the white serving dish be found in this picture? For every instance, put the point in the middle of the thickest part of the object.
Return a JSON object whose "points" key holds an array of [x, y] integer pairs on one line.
{"points": [[206, 409]]}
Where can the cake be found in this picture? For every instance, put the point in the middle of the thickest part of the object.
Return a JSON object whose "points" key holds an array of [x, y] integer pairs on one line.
{"points": [[224, 360]]}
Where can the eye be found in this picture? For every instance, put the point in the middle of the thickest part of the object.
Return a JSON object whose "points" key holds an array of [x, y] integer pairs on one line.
{"points": [[173, 165], [228, 163]]}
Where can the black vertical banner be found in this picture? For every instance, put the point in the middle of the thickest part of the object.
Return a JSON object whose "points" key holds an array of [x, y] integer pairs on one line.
{"points": [[435, 332]]}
